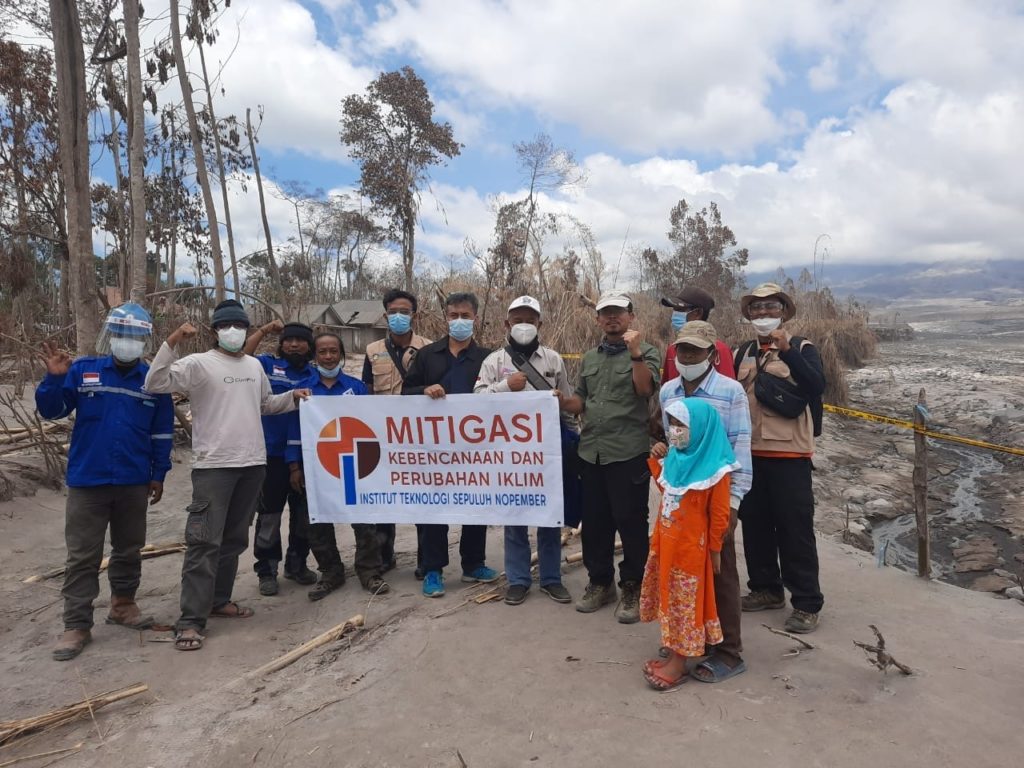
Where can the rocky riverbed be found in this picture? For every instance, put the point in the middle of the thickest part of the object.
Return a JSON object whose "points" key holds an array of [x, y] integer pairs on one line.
{"points": [[969, 359]]}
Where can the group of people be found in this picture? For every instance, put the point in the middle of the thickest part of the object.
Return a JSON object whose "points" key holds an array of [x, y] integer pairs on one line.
{"points": [[732, 443]]}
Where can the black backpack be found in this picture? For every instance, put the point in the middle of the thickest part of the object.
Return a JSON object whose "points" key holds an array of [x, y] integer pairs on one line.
{"points": [[783, 397]]}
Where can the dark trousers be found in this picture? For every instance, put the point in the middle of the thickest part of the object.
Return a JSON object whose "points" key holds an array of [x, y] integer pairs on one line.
{"points": [[778, 532], [86, 516], [323, 543], [266, 545], [433, 540], [386, 536], [216, 532], [727, 598], [615, 499]]}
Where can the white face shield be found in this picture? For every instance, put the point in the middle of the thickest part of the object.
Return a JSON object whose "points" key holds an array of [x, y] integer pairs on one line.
{"points": [[127, 334]]}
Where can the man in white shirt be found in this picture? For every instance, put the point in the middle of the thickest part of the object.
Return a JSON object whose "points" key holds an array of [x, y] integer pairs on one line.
{"points": [[228, 391], [526, 365]]}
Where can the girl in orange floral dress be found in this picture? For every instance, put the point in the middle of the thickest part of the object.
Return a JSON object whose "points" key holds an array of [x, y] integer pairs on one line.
{"points": [[678, 587]]}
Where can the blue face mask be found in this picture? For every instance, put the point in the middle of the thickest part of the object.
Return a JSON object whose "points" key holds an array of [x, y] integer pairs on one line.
{"points": [[460, 329], [678, 320], [329, 373], [399, 324]]}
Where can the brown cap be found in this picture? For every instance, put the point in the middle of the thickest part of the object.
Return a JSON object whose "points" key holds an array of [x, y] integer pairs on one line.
{"points": [[769, 291], [690, 296], [697, 333]]}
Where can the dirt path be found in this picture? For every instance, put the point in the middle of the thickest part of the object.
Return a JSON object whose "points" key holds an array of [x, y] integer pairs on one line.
{"points": [[537, 684]]}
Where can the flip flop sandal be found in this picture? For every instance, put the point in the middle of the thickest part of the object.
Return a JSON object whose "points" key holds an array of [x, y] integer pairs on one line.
{"points": [[653, 664], [663, 684], [190, 643], [239, 612], [716, 670]]}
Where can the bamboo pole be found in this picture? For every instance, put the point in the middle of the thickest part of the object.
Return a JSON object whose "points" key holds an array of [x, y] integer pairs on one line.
{"points": [[15, 729], [920, 479], [147, 552], [332, 634]]}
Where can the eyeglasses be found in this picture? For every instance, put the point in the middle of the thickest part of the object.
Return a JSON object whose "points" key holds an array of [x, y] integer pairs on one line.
{"points": [[765, 305]]}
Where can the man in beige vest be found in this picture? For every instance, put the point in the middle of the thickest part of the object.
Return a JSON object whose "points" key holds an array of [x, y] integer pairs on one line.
{"points": [[384, 369], [782, 375]]}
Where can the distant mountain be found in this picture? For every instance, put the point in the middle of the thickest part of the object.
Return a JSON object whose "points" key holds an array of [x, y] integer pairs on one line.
{"points": [[987, 281]]}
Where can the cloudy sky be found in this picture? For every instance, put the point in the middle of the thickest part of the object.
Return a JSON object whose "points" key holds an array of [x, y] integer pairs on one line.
{"points": [[888, 125]]}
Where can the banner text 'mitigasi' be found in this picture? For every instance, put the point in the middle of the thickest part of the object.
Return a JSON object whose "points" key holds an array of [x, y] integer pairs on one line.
{"points": [[521, 428]]}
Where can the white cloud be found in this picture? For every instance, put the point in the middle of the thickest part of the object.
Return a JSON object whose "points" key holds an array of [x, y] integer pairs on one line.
{"points": [[825, 75]]}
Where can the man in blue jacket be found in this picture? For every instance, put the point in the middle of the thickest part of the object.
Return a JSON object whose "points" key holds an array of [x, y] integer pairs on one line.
{"points": [[288, 369], [120, 453]]}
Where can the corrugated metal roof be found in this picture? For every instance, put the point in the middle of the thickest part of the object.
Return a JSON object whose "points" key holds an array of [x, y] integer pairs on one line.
{"points": [[359, 312]]}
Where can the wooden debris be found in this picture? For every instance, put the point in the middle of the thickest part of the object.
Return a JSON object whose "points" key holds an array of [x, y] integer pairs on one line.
{"points": [[882, 658], [332, 634], [577, 557], [147, 552], [36, 756], [11, 730], [800, 640]]}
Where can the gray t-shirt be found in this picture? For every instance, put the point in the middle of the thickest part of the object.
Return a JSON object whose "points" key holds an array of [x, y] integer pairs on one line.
{"points": [[228, 394]]}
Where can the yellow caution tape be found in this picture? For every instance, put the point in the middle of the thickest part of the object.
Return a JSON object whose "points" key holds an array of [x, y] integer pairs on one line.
{"points": [[571, 355], [928, 432]]}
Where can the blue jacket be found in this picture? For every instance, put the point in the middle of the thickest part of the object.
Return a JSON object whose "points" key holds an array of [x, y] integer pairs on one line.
{"points": [[343, 385], [283, 378], [122, 434]]}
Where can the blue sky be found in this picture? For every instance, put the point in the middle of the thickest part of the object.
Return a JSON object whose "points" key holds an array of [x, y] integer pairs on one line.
{"points": [[890, 125]]}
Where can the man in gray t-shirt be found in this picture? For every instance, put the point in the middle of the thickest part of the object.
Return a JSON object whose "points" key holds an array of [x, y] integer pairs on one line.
{"points": [[228, 391]]}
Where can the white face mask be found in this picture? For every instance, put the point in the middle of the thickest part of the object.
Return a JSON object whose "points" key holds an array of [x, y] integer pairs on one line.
{"points": [[678, 436], [693, 372], [329, 373], [127, 350], [523, 333], [765, 325], [231, 339]]}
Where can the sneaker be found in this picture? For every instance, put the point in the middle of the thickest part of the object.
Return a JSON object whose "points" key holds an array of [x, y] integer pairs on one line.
{"points": [[596, 596], [481, 574], [628, 609], [303, 576], [801, 622], [762, 600], [325, 586], [556, 592], [516, 594], [433, 584], [268, 585]]}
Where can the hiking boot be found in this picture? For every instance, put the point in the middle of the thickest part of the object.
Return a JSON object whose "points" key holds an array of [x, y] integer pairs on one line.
{"points": [[433, 584], [595, 596], [481, 574], [762, 600], [302, 576], [328, 583], [124, 612], [556, 592], [516, 594], [376, 585], [268, 585], [801, 622], [71, 644], [628, 609]]}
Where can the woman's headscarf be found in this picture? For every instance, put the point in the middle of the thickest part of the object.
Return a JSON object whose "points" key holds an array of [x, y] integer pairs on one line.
{"points": [[707, 458]]}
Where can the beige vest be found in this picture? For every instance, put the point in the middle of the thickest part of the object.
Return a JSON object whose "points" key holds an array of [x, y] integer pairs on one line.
{"points": [[386, 378], [768, 430]]}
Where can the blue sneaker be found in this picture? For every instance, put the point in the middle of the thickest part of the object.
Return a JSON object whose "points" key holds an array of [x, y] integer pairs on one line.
{"points": [[482, 574], [433, 584]]}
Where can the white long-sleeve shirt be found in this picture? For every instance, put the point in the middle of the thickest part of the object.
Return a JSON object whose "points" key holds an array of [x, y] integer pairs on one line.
{"points": [[228, 394]]}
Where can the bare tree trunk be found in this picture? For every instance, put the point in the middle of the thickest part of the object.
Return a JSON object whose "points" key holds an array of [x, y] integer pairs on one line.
{"points": [[408, 245], [174, 224], [220, 170], [275, 273], [197, 148], [123, 264], [136, 153], [73, 111]]}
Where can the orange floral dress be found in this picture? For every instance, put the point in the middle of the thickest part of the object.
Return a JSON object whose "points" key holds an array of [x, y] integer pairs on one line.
{"points": [[679, 583]]}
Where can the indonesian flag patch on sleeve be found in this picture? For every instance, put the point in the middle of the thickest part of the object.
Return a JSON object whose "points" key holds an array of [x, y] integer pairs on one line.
{"points": [[91, 377]]}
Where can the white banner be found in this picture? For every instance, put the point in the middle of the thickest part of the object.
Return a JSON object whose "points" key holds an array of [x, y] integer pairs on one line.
{"points": [[493, 459]]}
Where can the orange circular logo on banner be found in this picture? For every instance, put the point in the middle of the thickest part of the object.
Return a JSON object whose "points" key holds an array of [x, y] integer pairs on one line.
{"points": [[347, 437]]}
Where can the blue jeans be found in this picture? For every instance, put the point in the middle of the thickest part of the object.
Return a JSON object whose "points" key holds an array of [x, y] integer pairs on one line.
{"points": [[517, 555]]}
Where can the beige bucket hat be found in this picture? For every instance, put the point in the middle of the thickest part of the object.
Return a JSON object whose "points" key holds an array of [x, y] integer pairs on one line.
{"points": [[769, 291]]}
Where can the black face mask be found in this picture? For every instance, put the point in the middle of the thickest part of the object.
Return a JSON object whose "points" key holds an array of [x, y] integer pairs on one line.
{"points": [[295, 360], [611, 347]]}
